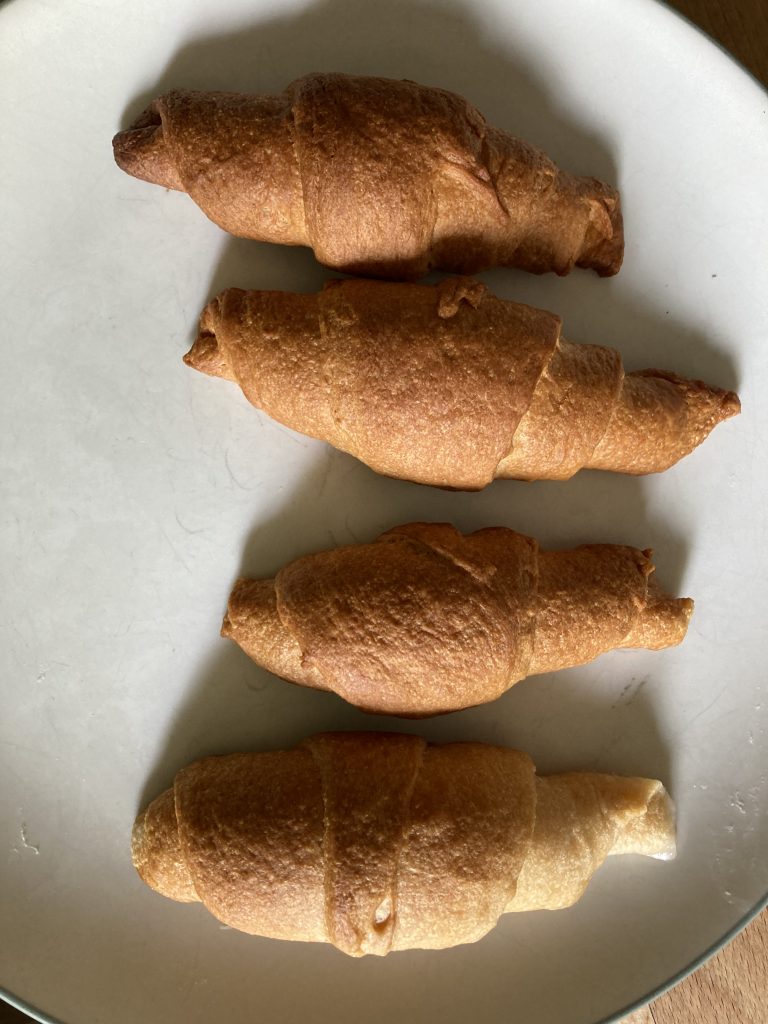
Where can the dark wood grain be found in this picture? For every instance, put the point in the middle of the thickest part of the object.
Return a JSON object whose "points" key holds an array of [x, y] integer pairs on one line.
{"points": [[732, 988], [741, 26]]}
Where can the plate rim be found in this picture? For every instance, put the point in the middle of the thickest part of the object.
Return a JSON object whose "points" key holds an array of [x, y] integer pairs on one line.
{"points": [[667, 5], [613, 1018], [750, 915]]}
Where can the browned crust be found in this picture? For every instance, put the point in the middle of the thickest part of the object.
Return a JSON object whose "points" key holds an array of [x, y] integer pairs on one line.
{"points": [[377, 842], [382, 178], [425, 621], [449, 385]]}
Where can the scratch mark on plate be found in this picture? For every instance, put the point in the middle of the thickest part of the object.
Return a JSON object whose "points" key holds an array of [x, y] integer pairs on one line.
{"points": [[327, 467], [630, 693], [25, 841], [708, 707], [174, 549], [232, 476], [187, 529]]}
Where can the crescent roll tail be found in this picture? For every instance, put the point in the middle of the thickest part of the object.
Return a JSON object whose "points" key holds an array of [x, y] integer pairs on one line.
{"points": [[378, 842], [449, 385], [425, 621], [381, 178]]}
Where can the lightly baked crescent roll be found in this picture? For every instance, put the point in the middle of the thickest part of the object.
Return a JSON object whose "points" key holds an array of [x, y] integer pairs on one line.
{"points": [[425, 620], [381, 178], [378, 842], [449, 385]]}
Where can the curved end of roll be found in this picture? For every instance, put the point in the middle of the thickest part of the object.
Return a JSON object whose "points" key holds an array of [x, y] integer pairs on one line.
{"points": [[141, 149], [252, 620], [138, 835], [235, 610], [706, 406], [663, 622], [652, 833], [252, 605], [730, 405], [156, 851], [206, 354], [658, 420], [603, 249]]}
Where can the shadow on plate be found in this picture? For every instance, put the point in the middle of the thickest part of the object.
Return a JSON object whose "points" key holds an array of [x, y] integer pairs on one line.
{"points": [[646, 327], [449, 45], [235, 705], [593, 310], [419, 40]]}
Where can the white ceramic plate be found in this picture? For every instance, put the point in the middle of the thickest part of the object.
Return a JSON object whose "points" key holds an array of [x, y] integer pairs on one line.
{"points": [[137, 490]]}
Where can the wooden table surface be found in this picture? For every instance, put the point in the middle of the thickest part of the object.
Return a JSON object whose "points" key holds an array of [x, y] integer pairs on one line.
{"points": [[732, 988]]}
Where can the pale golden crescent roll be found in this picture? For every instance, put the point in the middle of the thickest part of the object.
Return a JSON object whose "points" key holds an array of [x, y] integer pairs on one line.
{"points": [[449, 385], [425, 620], [381, 178], [378, 842]]}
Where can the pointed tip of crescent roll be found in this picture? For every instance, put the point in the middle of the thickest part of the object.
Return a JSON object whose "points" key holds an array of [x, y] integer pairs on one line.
{"points": [[603, 249], [730, 405], [659, 418], [252, 603], [206, 354], [141, 150], [253, 621], [156, 850], [707, 405], [664, 621], [652, 833]]}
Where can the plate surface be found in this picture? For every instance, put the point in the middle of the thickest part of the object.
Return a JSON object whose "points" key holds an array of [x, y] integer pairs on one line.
{"points": [[137, 490]]}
